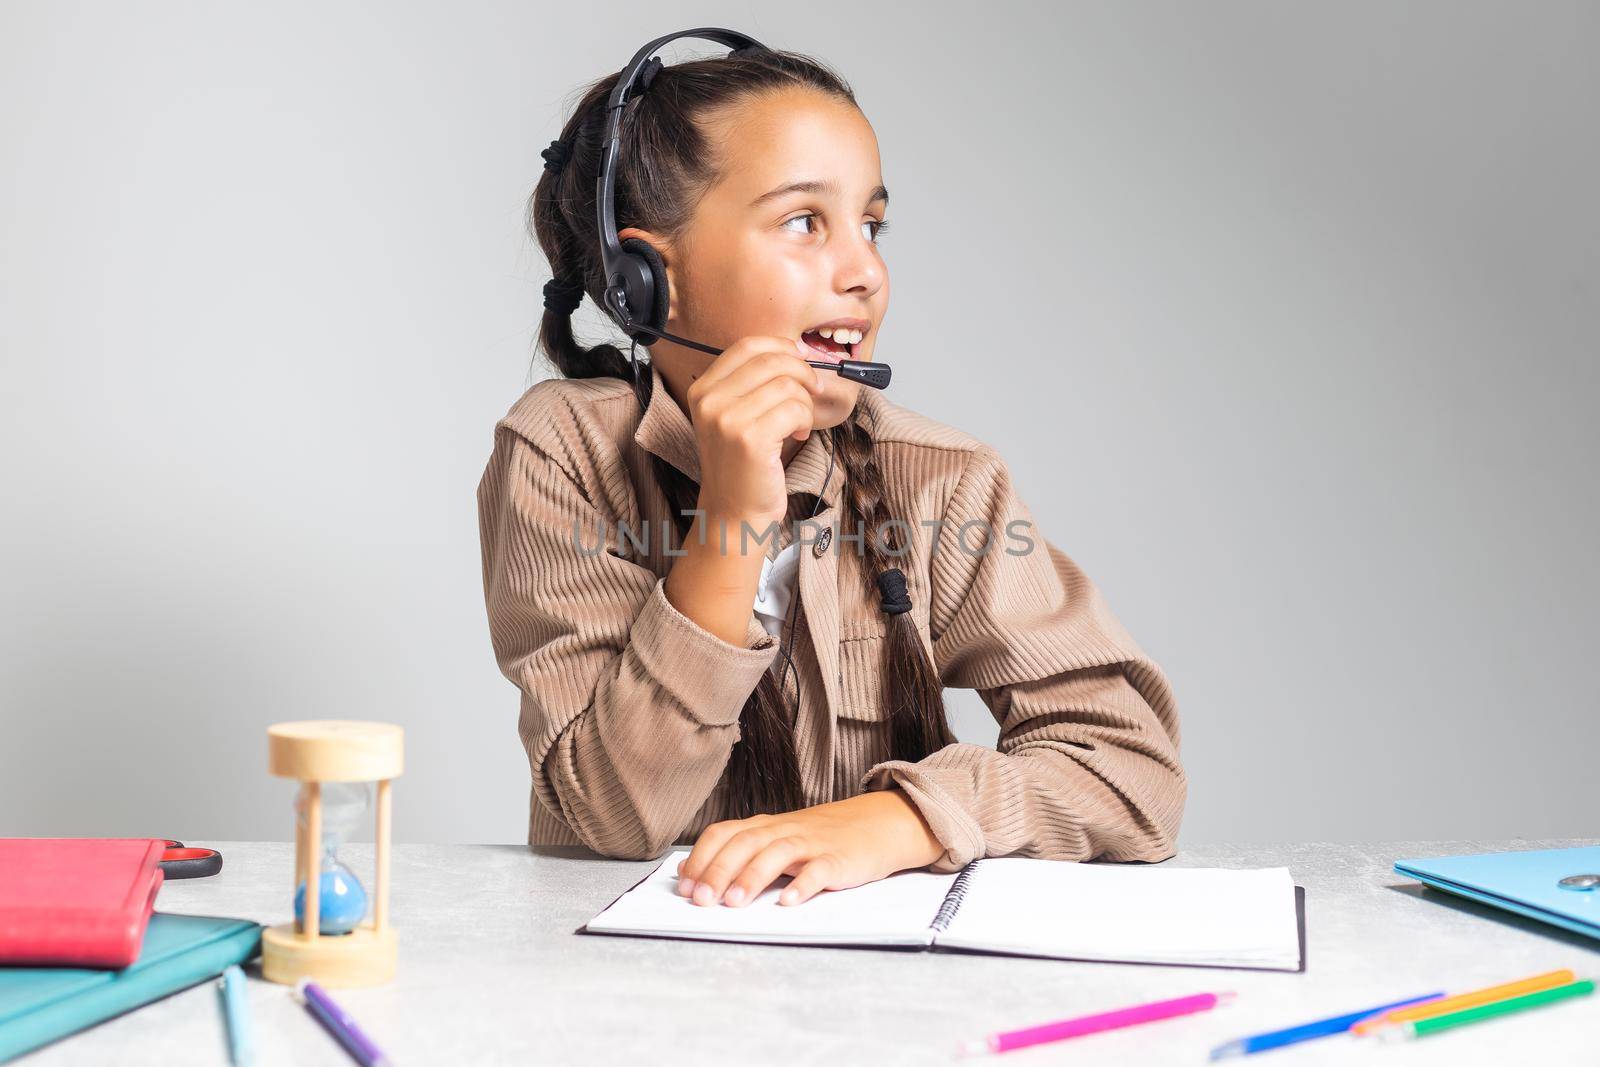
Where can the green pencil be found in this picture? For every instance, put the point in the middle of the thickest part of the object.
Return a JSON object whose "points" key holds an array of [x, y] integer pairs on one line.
{"points": [[1424, 1027]]}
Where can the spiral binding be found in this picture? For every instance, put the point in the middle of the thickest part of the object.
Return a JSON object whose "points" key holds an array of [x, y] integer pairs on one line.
{"points": [[952, 899]]}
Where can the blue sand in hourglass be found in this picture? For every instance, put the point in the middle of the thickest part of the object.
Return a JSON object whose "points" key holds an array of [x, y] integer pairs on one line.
{"points": [[341, 899], [341, 903]]}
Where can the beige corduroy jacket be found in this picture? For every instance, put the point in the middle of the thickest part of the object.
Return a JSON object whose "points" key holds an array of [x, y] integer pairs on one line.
{"points": [[629, 708]]}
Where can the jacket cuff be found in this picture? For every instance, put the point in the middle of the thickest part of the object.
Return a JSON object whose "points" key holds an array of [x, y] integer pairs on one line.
{"points": [[706, 675], [959, 833]]}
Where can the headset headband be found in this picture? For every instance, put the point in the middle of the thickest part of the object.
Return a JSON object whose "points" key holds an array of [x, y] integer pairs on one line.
{"points": [[612, 256]]}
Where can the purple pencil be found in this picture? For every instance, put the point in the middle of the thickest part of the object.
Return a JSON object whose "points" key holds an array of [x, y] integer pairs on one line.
{"points": [[338, 1022]]}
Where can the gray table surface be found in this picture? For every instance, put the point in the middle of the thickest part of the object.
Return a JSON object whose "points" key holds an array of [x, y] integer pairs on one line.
{"points": [[492, 971]]}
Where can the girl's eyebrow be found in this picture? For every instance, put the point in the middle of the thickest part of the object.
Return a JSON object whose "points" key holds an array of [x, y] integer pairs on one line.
{"points": [[817, 185]]}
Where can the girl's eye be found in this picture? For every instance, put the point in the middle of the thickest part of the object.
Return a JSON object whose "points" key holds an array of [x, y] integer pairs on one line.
{"points": [[876, 227], [799, 218]]}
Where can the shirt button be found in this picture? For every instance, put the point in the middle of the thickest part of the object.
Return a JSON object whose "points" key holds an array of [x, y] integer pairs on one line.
{"points": [[823, 542]]}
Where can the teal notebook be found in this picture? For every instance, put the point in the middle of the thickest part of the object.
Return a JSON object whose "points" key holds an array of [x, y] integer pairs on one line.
{"points": [[40, 1004], [1527, 883]]}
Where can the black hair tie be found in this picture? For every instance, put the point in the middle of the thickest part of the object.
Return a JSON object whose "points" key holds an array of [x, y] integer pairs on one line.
{"points": [[892, 584], [556, 156], [563, 297]]}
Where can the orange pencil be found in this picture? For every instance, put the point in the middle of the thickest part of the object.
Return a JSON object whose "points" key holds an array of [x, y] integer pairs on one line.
{"points": [[1464, 1000]]}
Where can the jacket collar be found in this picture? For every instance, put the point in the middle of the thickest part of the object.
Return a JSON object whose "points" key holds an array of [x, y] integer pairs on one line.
{"points": [[665, 430]]}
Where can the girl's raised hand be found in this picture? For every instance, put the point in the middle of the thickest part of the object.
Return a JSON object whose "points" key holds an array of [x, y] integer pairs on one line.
{"points": [[758, 393], [837, 845]]}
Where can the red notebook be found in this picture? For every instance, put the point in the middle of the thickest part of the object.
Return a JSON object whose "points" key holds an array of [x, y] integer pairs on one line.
{"points": [[76, 901]]}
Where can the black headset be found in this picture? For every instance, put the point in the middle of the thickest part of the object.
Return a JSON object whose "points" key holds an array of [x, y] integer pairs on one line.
{"points": [[636, 279]]}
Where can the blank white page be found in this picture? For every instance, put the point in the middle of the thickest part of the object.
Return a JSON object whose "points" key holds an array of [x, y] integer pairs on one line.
{"points": [[896, 910], [1134, 914]]}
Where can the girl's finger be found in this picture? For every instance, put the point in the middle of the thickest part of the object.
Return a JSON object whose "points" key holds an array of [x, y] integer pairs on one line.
{"points": [[705, 849], [732, 358], [820, 873], [774, 392], [734, 362], [784, 418], [778, 856], [730, 862], [766, 366]]}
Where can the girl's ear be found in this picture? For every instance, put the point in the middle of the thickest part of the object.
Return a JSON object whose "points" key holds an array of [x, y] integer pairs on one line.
{"points": [[664, 250]]}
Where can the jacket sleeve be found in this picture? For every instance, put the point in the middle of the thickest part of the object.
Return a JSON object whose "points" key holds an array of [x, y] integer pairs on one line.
{"points": [[629, 708], [1087, 762]]}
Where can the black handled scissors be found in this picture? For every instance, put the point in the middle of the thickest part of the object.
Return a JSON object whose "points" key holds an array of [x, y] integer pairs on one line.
{"points": [[179, 861]]}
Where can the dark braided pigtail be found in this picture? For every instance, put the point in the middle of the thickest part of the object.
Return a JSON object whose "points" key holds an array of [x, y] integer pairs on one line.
{"points": [[913, 695]]}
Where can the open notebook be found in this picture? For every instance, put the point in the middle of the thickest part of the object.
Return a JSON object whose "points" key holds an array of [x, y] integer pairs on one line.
{"points": [[1211, 917]]}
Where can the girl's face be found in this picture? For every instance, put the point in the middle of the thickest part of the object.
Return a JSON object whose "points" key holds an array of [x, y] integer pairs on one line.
{"points": [[784, 242]]}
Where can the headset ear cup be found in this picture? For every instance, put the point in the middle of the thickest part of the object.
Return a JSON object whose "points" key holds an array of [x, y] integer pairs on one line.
{"points": [[656, 315]]}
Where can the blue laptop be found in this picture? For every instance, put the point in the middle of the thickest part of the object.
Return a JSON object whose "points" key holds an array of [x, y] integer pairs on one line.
{"points": [[1560, 886]]}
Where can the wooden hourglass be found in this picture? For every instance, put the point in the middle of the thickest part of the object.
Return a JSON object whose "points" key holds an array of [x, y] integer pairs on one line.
{"points": [[334, 953]]}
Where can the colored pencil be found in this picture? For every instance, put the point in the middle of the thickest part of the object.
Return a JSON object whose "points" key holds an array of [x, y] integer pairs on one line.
{"points": [[338, 1022], [236, 1011], [1339, 1024], [1461, 1001], [1094, 1024], [1485, 1012]]}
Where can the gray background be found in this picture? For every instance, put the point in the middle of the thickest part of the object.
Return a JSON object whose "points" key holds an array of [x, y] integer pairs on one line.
{"points": [[1284, 317]]}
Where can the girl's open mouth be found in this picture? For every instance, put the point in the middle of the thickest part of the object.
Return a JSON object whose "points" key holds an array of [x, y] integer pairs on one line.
{"points": [[825, 348], [832, 349]]}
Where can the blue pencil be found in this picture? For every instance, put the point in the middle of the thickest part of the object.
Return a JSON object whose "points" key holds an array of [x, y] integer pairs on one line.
{"points": [[236, 1009], [1321, 1028]]}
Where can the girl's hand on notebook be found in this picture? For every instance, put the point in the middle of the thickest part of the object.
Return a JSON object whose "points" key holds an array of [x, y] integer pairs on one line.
{"points": [[830, 846], [751, 399]]}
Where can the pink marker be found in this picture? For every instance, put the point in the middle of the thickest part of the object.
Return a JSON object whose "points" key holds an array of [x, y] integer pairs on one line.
{"points": [[1094, 1024]]}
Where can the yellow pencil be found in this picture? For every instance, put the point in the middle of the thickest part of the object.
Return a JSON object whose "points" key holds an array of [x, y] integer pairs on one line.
{"points": [[1464, 1000]]}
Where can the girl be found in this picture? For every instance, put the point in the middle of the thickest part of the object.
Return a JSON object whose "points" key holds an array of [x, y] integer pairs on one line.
{"points": [[645, 546]]}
